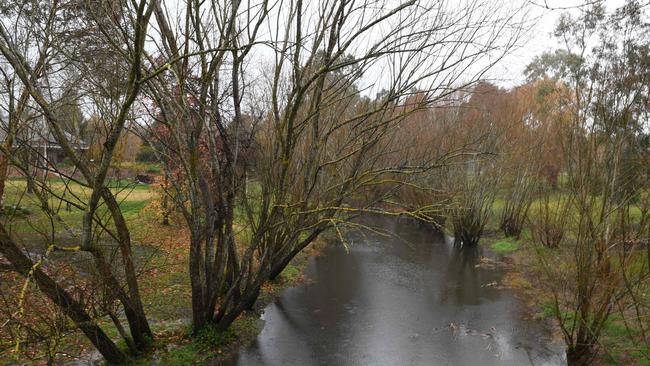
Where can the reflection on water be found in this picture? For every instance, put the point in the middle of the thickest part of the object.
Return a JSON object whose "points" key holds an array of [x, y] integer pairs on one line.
{"points": [[413, 298]]}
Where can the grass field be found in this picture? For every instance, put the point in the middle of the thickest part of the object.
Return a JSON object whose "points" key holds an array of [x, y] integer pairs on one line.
{"points": [[131, 196]]}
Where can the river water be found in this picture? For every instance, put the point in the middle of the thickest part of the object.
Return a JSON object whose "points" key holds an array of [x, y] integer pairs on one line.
{"points": [[412, 298]]}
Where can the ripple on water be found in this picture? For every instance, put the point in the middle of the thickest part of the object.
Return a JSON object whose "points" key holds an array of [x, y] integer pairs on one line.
{"points": [[408, 299]]}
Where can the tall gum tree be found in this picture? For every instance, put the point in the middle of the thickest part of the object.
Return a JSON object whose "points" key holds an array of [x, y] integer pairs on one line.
{"points": [[603, 74]]}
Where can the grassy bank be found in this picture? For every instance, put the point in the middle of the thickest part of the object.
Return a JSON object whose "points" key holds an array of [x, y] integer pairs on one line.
{"points": [[526, 276], [175, 346]]}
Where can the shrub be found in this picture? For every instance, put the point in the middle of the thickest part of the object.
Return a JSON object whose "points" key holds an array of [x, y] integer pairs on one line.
{"points": [[549, 223], [146, 155]]}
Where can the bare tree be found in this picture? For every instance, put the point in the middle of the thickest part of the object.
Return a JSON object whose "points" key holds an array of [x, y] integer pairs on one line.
{"points": [[123, 28], [473, 187], [295, 147], [261, 157], [25, 35]]}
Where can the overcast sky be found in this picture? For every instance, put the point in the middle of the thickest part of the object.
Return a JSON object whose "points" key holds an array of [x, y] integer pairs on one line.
{"points": [[510, 71]]}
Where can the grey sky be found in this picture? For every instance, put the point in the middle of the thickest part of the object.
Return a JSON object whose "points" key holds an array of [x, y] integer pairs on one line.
{"points": [[510, 71]]}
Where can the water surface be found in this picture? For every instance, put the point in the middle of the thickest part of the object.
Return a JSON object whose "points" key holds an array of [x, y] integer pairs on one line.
{"points": [[410, 299]]}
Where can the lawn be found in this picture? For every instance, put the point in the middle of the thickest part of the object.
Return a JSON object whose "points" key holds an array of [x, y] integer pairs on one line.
{"points": [[132, 198]]}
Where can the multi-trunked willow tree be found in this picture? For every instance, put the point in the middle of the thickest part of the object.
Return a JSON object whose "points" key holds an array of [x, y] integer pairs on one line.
{"points": [[271, 117], [274, 121], [47, 48]]}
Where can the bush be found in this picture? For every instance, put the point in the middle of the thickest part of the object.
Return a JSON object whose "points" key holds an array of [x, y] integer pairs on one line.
{"points": [[517, 203], [15, 211], [146, 155], [548, 234], [549, 223]]}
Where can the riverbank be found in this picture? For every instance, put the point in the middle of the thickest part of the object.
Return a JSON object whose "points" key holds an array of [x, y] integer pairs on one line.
{"points": [[517, 257], [175, 346], [525, 275]]}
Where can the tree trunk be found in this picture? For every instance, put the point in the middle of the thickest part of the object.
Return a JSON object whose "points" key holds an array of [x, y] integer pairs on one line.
{"points": [[138, 324], [580, 355], [250, 305], [247, 298], [277, 268], [58, 295], [30, 182], [166, 210], [4, 168], [199, 312]]}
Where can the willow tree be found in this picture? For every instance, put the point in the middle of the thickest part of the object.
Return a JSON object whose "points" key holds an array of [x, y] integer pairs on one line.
{"points": [[73, 34], [268, 126]]}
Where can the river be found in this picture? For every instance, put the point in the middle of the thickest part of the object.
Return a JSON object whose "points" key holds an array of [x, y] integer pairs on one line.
{"points": [[412, 298]]}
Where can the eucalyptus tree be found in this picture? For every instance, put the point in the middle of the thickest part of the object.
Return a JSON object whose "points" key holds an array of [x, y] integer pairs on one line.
{"points": [[605, 69]]}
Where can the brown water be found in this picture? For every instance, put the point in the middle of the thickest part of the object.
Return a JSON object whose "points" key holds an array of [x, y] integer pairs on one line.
{"points": [[410, 299]]}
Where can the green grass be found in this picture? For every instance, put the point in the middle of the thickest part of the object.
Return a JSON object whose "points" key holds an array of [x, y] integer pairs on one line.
{"points": [[504, 246], [132, 208], [177, 347], [30, 217], [548, 309], [291, 273], [181, 356]]}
